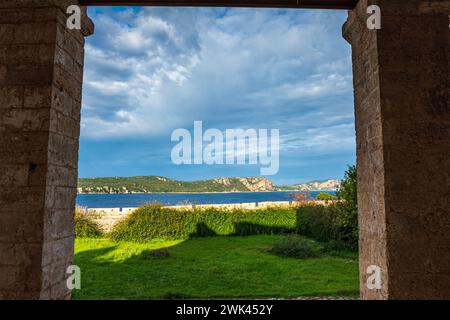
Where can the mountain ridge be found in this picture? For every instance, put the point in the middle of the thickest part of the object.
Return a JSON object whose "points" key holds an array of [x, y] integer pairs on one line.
{"points": [[327, 184], [159, 184]]}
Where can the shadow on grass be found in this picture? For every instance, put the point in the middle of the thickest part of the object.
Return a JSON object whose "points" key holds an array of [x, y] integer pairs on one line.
{"points": [[94, 255], [240, 229], [202, 230]]}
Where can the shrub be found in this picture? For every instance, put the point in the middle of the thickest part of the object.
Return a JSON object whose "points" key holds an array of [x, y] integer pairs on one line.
{"points": [[348, 207], [296, 247], [340, 249], [323, 196], [336, 246], [85, 227], [156, 222], [337, 222], [318, 222], [327, 224]]}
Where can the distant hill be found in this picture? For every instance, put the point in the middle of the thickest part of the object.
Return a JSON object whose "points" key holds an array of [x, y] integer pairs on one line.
{"points": [[330, 184], [148, 184]]}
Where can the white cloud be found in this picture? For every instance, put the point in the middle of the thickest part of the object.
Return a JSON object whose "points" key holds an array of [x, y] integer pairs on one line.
{"points": [[151, 71], [321, 140]]}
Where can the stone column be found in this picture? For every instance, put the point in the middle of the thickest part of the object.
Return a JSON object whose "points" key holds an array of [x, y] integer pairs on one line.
{"points": [[401, 82], [41, 73]]}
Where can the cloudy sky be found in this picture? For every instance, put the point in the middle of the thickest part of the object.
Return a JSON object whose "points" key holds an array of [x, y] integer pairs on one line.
{"points": [[150, 71]]}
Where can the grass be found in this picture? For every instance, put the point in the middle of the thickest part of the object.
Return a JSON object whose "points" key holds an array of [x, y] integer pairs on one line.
{"points": [[212, 267]]}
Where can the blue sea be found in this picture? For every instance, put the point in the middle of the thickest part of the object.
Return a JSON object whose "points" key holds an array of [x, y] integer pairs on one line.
{"points": [[171, 199]]}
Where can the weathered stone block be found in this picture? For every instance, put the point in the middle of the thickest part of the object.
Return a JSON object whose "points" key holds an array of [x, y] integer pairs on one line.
{"points": [[57, 250], [25, 119], [19, 254], [19, 229], [38, 97], [27, 75], [60, 224], [14, 175], [21, 199], [11, 97], [35, 33]]}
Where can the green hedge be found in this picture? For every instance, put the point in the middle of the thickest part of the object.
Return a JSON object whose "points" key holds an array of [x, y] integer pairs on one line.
{"points": [[327, 223], [85, 227], [318, 222], [156, 222], [336, 222]]}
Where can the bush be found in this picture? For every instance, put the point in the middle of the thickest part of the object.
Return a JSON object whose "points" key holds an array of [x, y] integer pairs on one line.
{"points": [[85, 227], [348, 207], [337, 222], [296, 247], [318, 222], [340, 249], [156, 222], [323, 196]]}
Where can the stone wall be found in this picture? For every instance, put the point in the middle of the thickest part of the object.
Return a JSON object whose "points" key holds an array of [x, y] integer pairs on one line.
{"points": [[41, 73], [401, 82]]}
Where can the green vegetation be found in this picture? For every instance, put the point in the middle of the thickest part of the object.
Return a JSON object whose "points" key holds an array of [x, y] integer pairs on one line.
{"points": [[336, 222], [145, 184], [323, 196], [318, 222], [85, 227], [213, 267], [296, 247], [348, 219], [155, 222], [299, 247], [167, 253]]}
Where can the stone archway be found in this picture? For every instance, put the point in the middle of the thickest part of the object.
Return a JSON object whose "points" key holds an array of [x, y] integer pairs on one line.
{"points": [[401, 82]]}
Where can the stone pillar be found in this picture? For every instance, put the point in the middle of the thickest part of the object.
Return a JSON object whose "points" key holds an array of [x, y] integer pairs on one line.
{"points": [[401, 82], [41, 71]]}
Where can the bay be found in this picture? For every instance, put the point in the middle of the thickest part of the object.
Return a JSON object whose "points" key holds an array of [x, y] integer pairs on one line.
{"points": [[172, 199]]}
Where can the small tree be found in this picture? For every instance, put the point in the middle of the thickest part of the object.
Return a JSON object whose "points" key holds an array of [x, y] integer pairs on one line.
{"points": [[348, 217], [323, 196], [85, 227]]}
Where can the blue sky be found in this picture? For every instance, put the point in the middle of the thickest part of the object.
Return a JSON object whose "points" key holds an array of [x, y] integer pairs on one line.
{"points": [[149, 71]]}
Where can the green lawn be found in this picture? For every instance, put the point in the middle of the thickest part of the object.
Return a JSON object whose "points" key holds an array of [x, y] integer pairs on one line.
{"points": [[215, 267]]}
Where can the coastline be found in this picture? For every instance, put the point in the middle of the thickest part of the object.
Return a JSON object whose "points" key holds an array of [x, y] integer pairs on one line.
{"points": [[203, 192]]}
